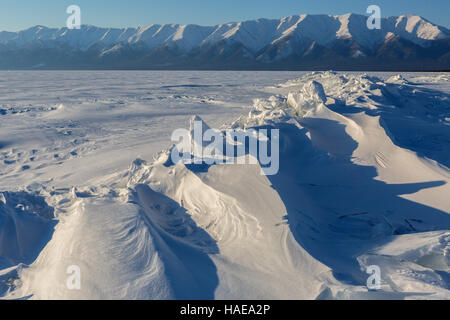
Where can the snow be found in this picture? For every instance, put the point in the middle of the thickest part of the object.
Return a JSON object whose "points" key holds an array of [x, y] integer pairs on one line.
{"points": [[86, 180]]}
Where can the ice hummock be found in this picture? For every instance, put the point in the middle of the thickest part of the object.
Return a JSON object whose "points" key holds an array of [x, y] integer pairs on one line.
{"points": [[355, 189]]}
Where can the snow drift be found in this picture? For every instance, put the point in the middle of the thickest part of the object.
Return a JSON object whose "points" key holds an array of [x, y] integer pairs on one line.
{"points": [[352, 191]]}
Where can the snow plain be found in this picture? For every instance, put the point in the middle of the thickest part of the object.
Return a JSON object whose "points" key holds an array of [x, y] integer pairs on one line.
{"points": [[85, 180]]}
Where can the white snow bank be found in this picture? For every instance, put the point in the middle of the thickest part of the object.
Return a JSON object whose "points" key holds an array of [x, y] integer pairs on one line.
{"points": [[417, 263], [348, 196], [25, 227]]}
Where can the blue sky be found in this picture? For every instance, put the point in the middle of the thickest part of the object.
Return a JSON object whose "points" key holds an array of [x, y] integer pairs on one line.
{"points": [[20, 14]]}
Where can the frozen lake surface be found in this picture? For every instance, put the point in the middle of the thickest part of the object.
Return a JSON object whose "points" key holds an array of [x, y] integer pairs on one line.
{"points": [[85, 181], [48, 116]]}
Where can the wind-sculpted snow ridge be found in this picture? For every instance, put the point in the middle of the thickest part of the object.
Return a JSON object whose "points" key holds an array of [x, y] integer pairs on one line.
{"points": [[298, 42], [352, 192], [26, 225], [344, 163]]}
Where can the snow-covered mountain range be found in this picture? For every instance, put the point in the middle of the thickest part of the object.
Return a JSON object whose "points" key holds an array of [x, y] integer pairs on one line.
{"points": [[407, 42]]}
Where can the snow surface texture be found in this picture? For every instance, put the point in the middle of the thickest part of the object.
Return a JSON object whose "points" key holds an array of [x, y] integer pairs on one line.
{"points": [[363, 180]]}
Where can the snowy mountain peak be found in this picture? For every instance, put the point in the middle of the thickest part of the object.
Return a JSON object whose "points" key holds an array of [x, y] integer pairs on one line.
{"points": [[421, 28], [262, 40], [255, 33]]}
